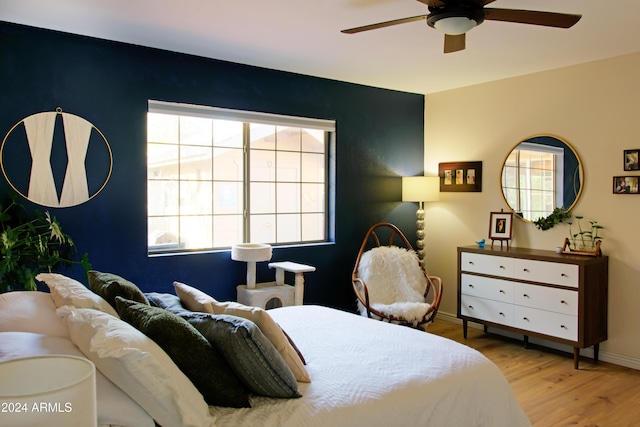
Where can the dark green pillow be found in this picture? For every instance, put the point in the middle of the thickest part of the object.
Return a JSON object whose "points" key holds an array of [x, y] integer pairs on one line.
{"points": [[109, 286], [252, 356], [189, 350]]}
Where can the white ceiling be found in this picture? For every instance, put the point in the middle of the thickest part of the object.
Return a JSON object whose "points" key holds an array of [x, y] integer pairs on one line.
{"points": [[303, 36]]}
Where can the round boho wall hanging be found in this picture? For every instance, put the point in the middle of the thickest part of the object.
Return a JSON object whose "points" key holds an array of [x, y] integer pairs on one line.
{"points": [[59, 160]]}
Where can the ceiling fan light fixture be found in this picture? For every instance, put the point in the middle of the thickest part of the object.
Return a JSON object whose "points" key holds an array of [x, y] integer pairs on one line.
{"points": [[454, 25], [455, 20]]}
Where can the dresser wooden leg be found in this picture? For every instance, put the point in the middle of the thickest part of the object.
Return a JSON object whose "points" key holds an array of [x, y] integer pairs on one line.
{"points": [[596, 350], [464, 328], [576, 357], [526, 341]]}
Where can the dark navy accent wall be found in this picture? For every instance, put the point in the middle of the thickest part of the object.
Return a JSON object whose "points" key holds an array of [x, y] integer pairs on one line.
{"points": [[379, 139]]}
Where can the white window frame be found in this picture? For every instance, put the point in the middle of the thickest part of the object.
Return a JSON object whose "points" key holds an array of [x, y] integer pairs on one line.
{"points": [[249, 117]]}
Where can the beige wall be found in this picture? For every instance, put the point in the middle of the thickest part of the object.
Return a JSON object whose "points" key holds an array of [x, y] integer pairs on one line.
{"points": [[596, 108]]}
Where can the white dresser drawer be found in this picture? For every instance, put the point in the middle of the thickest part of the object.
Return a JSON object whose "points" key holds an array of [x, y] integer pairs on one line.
{"points": [[546, 272], [486, 309], [543, 297], [546, 322], [486, 264], [487, 287]]}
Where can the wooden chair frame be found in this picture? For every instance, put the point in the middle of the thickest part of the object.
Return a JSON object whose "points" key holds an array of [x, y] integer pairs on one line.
{"points": [[372, 239]]}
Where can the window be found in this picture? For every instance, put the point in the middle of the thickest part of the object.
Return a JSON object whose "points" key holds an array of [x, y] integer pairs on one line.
{"points": [[530, 180], [218, 177]]}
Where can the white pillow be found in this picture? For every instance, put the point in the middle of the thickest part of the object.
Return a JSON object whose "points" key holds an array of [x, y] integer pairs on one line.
{"points": [[30, 311], [113, 405], [196, 300], [138, 366], [67, 291]]}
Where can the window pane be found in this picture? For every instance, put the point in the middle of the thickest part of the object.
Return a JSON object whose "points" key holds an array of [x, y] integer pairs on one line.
{"points": [[288, 166], [227, 133], [196, 131], [262, 198], [263, 165], [162, 128], [288, 228], [313, 167], [313, 227], [196, 232], [162, 161], [227, 230], [195, 197], [228, 198], [313, 199], [288, 198], [262, 136], [262, 228], [228, 164], [162, 198], [313, 140], [288, 138], [195, 162], [163, 232]]}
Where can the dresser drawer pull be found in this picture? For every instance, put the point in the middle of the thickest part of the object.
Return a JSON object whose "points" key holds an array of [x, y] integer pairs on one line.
{"points": [[503, 267], [470, 307], [502, 314], [525, 319], [564, 302], [502, 292], [563, 327], [525, 295], [471, 286], [471, 262], [563, 275], [526, 270]]}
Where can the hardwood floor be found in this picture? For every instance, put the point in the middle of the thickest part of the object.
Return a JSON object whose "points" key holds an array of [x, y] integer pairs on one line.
{"points": [[550, 391]]}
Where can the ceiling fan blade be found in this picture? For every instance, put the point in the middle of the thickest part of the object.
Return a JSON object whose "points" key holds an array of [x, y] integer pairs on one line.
{"points": [[384, 24], [547, 19], [454, 43]]}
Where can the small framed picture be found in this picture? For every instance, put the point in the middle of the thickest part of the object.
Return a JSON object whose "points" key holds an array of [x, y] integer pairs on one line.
{"points": [[460, 176], [631, 160], [625, 184], [500, 225]]}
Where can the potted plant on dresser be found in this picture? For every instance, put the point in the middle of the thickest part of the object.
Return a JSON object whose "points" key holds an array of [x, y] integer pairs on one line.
{"points": [[586, 240]]}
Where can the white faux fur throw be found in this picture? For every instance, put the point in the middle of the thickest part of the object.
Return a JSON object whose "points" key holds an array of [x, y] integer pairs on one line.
{"points": [[395, 282]]}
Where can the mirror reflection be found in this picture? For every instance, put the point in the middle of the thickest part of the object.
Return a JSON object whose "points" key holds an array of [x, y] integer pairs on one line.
{"points": [[541, 173]]}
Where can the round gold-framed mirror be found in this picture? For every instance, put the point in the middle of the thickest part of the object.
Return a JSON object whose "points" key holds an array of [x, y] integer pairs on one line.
{"points": [[540, 173]]}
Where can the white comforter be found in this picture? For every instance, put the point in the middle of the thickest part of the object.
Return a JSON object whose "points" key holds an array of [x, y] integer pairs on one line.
{"points": [[368, 373]]}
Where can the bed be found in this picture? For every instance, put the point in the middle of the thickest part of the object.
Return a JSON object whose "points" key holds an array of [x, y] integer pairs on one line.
{"points": [[362, 372]]}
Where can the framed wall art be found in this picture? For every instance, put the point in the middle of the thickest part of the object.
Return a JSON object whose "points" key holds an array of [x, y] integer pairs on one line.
{"points": [[460, 176], [631, 160], [625, 185], [500, 227]]}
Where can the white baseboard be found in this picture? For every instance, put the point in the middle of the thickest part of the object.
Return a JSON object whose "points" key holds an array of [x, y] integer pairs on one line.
{"points": [[605, 356]]}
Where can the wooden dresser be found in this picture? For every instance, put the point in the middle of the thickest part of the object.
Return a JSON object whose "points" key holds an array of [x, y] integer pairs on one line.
{"points": [[557, 297]]}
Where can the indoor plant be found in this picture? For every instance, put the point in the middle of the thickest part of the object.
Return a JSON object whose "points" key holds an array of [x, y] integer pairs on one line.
{"points": [[31, 246], [586, 240], [556, 217]]}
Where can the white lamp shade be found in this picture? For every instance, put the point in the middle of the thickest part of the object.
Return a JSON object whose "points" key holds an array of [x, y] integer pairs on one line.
{"points": [[52, 391], [420, 189]]}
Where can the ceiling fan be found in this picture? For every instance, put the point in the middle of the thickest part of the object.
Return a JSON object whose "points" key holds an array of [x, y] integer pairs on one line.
{"points": [[455, 17]]}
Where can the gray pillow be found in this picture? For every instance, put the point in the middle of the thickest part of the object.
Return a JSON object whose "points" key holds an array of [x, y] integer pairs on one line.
{"points": [[254, 359], [167, 301], [109, 286], [189, 350]]}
